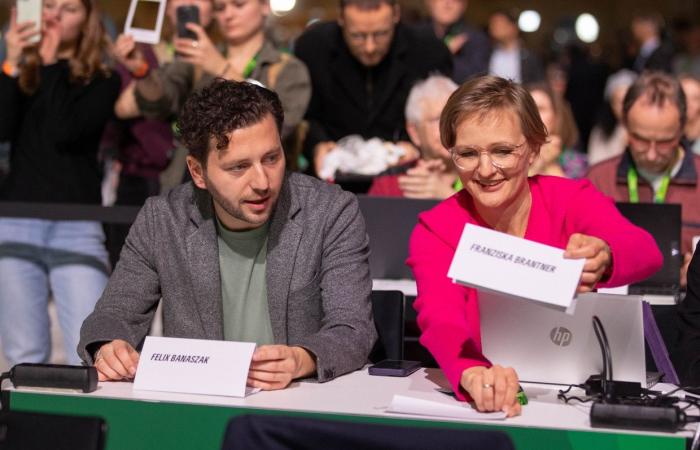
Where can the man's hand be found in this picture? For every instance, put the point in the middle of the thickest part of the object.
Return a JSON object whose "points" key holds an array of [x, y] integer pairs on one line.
{"points": [[275, 366], [493, 389], [598, 259], [427, 180], [116, 360]]}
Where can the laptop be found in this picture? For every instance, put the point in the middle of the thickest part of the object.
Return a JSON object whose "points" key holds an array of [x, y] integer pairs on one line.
{"points": [[663, 222], [545, 345], [390, 222]]}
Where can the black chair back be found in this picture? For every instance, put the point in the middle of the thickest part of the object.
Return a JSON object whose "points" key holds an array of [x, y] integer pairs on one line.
{"points": [[35, 431], [388, 308], [300, 433]]}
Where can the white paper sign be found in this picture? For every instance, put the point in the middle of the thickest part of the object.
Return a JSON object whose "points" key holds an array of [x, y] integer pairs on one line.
{"points": [[194, 366], [503, 263], [458, 410], [151, 14]]}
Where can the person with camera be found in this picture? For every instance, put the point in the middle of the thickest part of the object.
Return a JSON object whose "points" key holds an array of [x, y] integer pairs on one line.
{"points": [[246, 54], [57, 96]]}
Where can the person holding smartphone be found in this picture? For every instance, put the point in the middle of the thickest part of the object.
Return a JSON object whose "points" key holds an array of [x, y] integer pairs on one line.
{"points": [[246, 54], [138, 58], [57, 96]]}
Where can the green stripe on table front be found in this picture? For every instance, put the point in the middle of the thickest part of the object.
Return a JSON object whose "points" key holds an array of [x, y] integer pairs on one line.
{"points": [[149, 425]]}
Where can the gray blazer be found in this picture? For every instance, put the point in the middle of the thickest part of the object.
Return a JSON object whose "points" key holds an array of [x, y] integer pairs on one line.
{"points": [[318, 282]]}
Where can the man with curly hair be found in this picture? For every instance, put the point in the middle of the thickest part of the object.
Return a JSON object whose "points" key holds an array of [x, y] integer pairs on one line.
{"points": [[245, 252]]}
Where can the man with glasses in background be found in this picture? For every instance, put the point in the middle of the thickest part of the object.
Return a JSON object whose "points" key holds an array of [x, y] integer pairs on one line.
{"points": [[658, 165], [362, 68]]}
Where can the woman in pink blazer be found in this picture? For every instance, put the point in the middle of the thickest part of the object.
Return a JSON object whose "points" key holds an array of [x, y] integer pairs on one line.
{"points": [[494, 132]]}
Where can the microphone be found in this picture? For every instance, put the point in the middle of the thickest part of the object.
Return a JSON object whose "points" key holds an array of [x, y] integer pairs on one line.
{"points": [[82, 378]]}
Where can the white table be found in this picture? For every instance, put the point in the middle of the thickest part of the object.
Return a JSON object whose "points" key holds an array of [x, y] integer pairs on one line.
{"points": [[356, 396]]}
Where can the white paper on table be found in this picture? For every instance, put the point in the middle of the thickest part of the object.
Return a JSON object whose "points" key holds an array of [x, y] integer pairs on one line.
{"points": [[195, 366], [507, 264], [402, 404]]}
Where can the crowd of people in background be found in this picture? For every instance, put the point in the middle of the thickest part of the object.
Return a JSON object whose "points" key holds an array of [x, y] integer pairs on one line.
{"points": [[85, 105]]}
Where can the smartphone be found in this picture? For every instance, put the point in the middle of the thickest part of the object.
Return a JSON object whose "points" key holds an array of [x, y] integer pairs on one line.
{"points": [[394, 368], [186, 14], [31, 11]]}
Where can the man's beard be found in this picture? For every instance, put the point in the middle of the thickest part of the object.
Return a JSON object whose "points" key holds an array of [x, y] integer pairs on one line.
{"points": [[234, 210]]}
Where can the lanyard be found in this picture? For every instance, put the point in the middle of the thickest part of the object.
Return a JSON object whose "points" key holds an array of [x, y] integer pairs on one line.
{"points": [[250, 67], [633, 185]]}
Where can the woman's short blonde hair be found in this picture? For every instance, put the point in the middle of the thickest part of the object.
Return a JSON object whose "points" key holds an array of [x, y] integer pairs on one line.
{"points": [[479, 97]]}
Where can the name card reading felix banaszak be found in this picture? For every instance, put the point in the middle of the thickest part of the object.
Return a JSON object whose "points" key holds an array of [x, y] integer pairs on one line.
{"points": [[500, 262], [194, 366]]}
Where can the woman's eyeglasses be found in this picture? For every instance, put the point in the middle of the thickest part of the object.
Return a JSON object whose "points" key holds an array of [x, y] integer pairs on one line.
{"points": [[502, 156]]}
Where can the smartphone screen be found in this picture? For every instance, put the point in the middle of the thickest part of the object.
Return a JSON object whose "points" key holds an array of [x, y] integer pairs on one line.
{"points": [[30, 11]]}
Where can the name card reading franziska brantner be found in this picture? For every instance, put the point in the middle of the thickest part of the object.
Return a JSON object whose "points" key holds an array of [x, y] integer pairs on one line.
{"points": [[503, 263]]}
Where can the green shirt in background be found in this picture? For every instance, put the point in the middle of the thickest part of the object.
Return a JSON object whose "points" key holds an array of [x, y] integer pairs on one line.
{"points": [[242, 263]]}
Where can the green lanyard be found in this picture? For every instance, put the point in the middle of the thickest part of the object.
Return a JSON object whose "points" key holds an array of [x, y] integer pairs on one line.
{"points": [[633, 185], [250, 67]]}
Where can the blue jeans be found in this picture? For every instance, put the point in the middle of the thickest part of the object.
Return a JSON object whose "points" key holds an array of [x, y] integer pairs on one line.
{"points": [[37, 257]]}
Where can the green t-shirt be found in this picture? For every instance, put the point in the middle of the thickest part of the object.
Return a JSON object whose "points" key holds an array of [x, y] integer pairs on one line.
{"points": [[242, 263]]}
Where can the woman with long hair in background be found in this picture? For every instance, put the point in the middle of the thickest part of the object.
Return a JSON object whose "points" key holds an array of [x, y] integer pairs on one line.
{"points": [[57, 97]]}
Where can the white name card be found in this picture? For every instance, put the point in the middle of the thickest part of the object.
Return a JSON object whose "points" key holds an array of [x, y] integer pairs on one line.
{"points": [[500, 262], [194, 366]]}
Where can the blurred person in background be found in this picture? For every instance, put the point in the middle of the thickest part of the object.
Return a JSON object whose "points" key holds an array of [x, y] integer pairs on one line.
{"points": [[57, 97], [509, 58], [557, 156], [658, 165], [434, 174], [145, 147], [685, 353], [470, 47], [691, 88], [688, 62], [247, 54], [609, 137], [140, 59], [4, 146], [586, 77], [362, 69], [654, 53]]}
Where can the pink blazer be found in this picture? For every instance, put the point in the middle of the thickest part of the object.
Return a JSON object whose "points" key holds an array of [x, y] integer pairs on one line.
{"points": [[448, 314]]}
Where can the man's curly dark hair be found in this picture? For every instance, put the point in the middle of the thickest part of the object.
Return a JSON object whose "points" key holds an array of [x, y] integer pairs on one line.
{"points": [[220, 108]]}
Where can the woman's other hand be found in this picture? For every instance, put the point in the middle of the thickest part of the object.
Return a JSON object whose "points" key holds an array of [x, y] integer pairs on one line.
{"points": [[598, 259]]}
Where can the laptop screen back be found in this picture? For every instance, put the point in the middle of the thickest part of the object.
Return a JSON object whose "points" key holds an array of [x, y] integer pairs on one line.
{"points": [[663, 222], [546, 345]]}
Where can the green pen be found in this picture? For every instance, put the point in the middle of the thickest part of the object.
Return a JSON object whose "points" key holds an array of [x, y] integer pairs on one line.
{"points": [[522, 398]]}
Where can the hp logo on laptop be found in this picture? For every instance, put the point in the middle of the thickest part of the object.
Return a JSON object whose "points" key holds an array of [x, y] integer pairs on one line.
{"points": [[561, 336]]}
